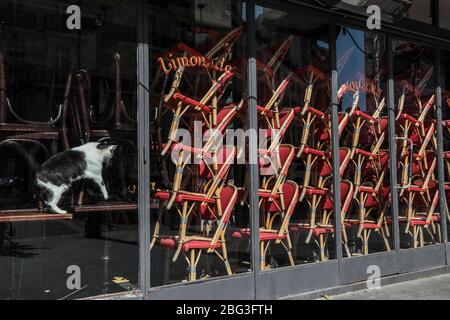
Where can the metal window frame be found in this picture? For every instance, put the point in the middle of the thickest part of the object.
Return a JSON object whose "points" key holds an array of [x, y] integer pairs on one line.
{"points": [[279, 283], [225, 286]]}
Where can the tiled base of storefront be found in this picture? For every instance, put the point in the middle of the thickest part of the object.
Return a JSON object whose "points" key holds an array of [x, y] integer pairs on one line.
{"points": [[363, 285]]}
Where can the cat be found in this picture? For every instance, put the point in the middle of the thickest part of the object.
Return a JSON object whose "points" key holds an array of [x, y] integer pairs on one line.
{"points": [[56, 175]]}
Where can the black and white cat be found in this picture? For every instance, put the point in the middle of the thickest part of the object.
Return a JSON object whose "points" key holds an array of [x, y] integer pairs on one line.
{"points": [[56, 175]]}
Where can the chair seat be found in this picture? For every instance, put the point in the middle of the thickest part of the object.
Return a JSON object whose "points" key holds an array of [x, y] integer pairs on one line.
{"points": [[366, 153], [264, 235], [366, 189], [312, 190], [361, 114], [267, 194], [172, 242], [181, 196], [420, 220], [317, 230], [366, 224]]}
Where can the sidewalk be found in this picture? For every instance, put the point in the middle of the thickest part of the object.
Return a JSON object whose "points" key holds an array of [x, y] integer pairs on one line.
{"points": [[431, 288]]}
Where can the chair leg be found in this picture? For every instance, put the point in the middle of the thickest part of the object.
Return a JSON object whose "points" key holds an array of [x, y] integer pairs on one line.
{"points": [[289, 250], [157, 226], [415, 237], [262, 256], [421, 239], [345, 242], [386, 242], [177, 179], [439, 232], [365, 242], [225, 259], [182, 231], [192, 267], [322, 247]]}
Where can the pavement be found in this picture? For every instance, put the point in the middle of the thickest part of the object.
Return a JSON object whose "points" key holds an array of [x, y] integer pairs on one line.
{"points": [[430, 288]]}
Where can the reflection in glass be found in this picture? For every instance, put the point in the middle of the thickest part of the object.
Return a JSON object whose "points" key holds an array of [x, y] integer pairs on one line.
{"points": [[416, 127], [60, 89], [198, 105], [363, 121], [294, 139], [445, 82]]}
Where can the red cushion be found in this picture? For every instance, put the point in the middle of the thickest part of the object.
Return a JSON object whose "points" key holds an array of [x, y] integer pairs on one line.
{"points": [[363, 115], [366, 189], [366, 225], [263, 235], [316, 230], [172, 242], [366, 153], [267, 194], [165, 195]]}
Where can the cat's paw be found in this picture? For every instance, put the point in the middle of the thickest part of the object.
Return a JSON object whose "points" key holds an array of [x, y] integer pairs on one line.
{"points": [[55, 209], [105, 196]]}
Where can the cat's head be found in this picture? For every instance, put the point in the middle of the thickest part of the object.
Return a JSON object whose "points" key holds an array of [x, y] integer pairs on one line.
{"points": [[106, 149]]}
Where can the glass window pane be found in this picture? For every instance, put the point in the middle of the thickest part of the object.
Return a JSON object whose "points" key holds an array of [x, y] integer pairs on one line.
{"points": [[445, 76], [363, 118], [67, 89], [416, 127], [200, 216], [421, 11], [444, 14], [294, 132]]}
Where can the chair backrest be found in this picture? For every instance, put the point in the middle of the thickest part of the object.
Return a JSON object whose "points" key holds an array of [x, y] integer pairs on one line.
{"points": [[290, 197], [279, 162], [228, 197], [324, 167], [287, 115], [346, 188], [224, 156]]}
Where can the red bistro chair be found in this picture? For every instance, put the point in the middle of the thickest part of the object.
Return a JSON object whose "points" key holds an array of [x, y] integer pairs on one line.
{"points": [[195, 245], [320, 226], [187, 200], [270, 232], [373, 205]]}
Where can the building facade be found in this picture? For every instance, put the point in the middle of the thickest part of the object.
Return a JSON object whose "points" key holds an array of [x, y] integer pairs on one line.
{"points": [[265, 149]]}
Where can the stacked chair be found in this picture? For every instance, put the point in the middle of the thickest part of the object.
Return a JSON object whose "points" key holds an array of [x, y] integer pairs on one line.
{"points": [[197, 188], [369, 173], [417, 163], [446, 126], [315, 152]]}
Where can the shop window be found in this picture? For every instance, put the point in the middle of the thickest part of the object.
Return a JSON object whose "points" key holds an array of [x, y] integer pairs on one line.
{"points": [[362, 91], [415, 109], [421, 11], [445, 76], [68, 219], [444, 13], [293, 73], [198, 99]]}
